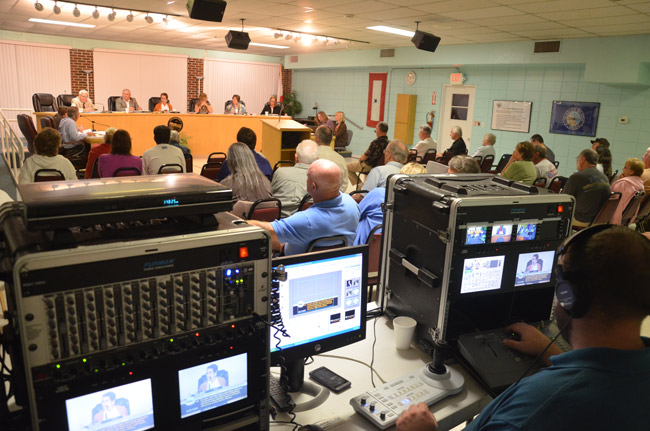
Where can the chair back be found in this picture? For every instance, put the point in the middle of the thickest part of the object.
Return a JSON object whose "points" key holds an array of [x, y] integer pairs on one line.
{"points": [[479, 159], [44, 102], [629, 213], [643, 214], [557, 184], [64, 99], [348, 139], [170, 168], [211, 170], [540, 182], [374, 255], [487, 163], [189, 162], [48, 121], [327, 243], [412, 157], [557, 164], [608, 209], [305, 202], [503, 161], [43, 175], [193, 103], [444, 159], [430, 155], [282, 162], [217, 157], [126, 171], [153, 101], [26, 126], [95, 172], [111, 102], [268, 209], [612, 179]]}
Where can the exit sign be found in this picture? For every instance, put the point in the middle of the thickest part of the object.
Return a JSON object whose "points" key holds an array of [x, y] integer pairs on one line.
{"points": [[456, 79]]}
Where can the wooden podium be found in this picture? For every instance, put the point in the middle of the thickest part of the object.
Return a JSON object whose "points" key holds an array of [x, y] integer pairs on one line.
{"points": [[280, 139]]}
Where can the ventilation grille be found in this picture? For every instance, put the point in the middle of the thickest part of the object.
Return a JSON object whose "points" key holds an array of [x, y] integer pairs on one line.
{"points": [[387, 53], [552, 46], [293, 59]]}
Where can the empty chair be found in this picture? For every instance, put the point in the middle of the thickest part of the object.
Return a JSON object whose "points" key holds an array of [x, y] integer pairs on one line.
{"points": [[279, 163], [189, 162], [503, 161], [153, 101], [44, 102], [26, 126], [43, 175], [268, 209], [211, 170], [629, 213], [486, 164], [557, 184], [111, 102], [64, 99], [607, 211], [327, 243], [305, 202], [540, 182], [126, 171], [218, 156], [170, 168]]}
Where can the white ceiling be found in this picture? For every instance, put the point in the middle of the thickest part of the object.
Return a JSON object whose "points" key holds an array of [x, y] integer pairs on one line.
{"points": [[455, 21]]}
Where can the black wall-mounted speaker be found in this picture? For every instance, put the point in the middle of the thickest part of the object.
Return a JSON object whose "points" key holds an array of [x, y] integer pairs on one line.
{"points": [[425, 41], [206, 10], [237, 39]]}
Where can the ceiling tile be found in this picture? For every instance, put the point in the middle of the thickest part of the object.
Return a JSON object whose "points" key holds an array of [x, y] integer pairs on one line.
{"points": [[392, 14], [454, 6], [359, 7], [588, 13], [614, 20], [561, 5], [499, 11]]}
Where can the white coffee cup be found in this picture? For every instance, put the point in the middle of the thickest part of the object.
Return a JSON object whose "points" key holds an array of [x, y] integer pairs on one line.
{"points": [[404, 328]]}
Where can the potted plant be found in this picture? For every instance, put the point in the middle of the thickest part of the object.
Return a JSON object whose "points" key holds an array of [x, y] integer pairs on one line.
{"points": [[291, 104]]}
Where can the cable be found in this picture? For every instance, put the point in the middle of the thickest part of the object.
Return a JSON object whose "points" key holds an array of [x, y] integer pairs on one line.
{"points": [[358, 361], [372, 358]]}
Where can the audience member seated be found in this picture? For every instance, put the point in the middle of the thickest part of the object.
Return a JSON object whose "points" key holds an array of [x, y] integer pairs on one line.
{"points": [[83, 102], [323, 120], [458, 147], [373, 156], [426, 141], [463, 165], [119, 157], [487, 149], [126, 102], [175, 140], [290, 184], [395, 156], [247, 136], [163, 105], [589, 186], [646, 173], [271, 107], [604, 161], [605, 377], [599, 142], [60, 115], [246, 181], [537, 139], [98, 150], [340, 130], [47, 156], [323, 136], [68, 128], [333, 213], [543, 167], [520, 167], [628, 184], [162, 154], [235, 107], [204, 106]]}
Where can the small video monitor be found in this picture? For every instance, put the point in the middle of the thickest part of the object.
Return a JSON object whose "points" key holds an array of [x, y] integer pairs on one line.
{"points": [[501, 233], [475, 235], [534, 268], [526, 232], [126, 407], [481, 274], [213, 384]]}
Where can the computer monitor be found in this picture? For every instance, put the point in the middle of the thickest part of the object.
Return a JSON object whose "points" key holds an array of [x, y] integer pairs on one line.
{"points": [[321, 305]]}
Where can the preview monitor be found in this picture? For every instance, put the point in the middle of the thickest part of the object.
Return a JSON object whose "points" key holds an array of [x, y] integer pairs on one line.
{"points": [[125, 407], [534, 268], [213, 384], [481, 274], [321, 305], [501, 232], [526, 231], [475, 235]]}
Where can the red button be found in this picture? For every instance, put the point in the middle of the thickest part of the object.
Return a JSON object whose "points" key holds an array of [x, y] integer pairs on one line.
{"points": [[560, 209], [243, 252]]}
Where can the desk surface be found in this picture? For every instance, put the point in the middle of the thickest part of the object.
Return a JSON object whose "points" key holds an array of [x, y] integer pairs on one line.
{"points": [[391, 364]]}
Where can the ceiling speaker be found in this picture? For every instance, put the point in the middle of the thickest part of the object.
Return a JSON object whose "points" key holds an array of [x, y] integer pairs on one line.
{"points": [[206, 10], [237, 39], [425, 41]]}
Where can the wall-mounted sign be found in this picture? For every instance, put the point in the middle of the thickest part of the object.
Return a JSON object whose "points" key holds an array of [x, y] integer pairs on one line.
{"points": [[511, 116], [574, 118]]}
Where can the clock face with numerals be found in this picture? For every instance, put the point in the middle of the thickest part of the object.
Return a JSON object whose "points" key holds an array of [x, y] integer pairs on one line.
{"points": [[410, 78]]}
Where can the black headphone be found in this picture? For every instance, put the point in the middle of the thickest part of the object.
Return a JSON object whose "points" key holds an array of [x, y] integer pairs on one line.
{"points": [[573, 297]]}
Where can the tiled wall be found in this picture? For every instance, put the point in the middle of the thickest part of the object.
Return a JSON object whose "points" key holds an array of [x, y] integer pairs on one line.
{"points": [[347, 90]]}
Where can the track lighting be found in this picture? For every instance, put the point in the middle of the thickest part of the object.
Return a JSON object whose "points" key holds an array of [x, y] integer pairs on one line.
{"points": [[277, 35], [56, 9], [288, 36], [38, 6], [95, 13], [76, 12], [111, 16], [129, 17], [148, 19]]}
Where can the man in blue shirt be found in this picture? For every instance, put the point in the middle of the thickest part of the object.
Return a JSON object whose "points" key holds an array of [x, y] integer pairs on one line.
{"points": [[602, 384], [247, 136], [68, 127], [333, 213], [395, 156]]}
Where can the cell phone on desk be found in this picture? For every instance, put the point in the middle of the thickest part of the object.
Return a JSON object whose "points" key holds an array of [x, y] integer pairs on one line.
{"points": [[328, 378]]}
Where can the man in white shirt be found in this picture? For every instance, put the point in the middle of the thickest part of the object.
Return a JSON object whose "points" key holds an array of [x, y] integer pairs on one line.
{"points": [[426, 141], [395, 156], [83, 102], [162, 154], [487, 149], [543, 166], [290, 184], [323, 136]]}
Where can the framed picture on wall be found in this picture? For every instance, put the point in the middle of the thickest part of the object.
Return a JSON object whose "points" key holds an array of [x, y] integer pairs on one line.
{"points": [[574, 118]]}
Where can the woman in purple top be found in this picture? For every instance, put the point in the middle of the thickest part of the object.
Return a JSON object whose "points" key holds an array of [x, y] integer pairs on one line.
{"points": [[119, 157]]}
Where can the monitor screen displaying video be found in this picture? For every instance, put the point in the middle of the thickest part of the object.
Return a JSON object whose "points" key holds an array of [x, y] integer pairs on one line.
{"points": [[481, 274], [213, 384], [534, 268], [126, 407], [475, 235], [501, 233], [526, 232]]}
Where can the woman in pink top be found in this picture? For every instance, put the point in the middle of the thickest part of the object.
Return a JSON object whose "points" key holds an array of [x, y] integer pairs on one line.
{"points": [[628, 184], [119, 157]]}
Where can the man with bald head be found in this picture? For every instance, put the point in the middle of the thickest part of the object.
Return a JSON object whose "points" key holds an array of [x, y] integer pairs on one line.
{"points": [[333, 213]]}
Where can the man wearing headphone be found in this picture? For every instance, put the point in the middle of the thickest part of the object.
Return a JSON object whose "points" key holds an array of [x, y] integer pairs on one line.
{"points": [[602, 297]]}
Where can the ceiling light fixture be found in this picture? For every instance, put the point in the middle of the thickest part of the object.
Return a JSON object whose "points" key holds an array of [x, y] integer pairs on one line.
{"points": [[291, 34], [38, 6], [56, 9], [129, 17], [277, 35], [111, 16], [266, 45], [148, 19], [288, 36], [96, 13], [326, 42], [165, 20], [65, 23], [392, 30], [76, 12]]}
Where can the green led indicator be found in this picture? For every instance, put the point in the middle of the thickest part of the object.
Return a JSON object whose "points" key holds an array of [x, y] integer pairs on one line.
{"points": [[58, 366], [124, 364], [84, 360], [171, 340], [97, 370]]}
